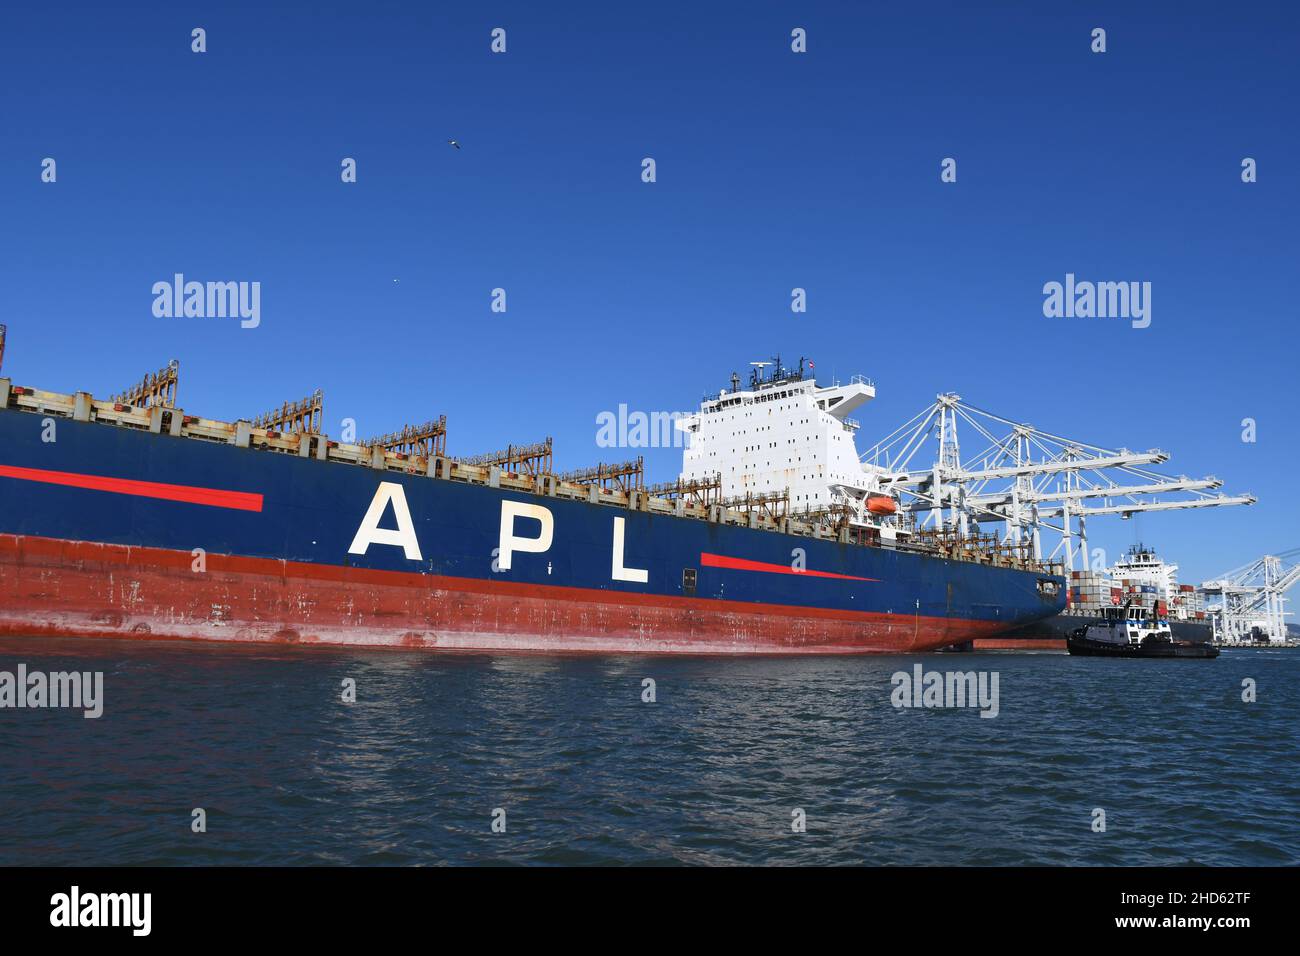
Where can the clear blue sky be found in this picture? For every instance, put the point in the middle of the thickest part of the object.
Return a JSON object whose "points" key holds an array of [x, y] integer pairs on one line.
{"points": [[775, 170]]}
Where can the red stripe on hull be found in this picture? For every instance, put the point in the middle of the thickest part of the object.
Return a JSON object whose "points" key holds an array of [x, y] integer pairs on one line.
{"points": [[744, 564], [51, 587], [213, 497]]}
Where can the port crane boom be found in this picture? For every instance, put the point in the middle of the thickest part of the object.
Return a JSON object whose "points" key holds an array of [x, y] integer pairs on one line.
{"points": [[1037, 468], [1250, 601], [1128, 509], [1103, 492], [1023, 476]]}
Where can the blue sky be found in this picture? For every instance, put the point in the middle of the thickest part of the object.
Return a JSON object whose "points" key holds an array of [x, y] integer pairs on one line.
{"points": [[775, 171]]}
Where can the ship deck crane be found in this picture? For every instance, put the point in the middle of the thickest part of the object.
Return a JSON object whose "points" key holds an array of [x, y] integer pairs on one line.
{"points": [[302, 416], [1024, 476], [622, 476], [421, 441], [156, 388], [705, 491], [532, 460]]}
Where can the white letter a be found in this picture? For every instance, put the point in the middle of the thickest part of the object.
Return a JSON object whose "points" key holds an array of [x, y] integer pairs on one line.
{"points": [[370, 533]]}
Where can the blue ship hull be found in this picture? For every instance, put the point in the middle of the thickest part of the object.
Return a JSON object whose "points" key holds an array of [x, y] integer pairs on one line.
{"points": [[114, 531]]}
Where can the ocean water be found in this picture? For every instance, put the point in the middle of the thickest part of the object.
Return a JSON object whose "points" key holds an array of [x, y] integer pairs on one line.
{"points": [[713, 771]]}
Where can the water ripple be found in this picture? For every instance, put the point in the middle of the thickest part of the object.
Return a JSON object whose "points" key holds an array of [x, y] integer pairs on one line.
{"points": [[714, 772]]}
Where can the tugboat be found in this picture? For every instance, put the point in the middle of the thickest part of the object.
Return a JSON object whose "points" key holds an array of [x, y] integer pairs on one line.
{"points": [[1135, 632]]}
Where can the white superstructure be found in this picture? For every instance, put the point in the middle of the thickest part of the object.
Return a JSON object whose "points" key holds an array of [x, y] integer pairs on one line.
{"points": [[1142, 566], [785, 433]]}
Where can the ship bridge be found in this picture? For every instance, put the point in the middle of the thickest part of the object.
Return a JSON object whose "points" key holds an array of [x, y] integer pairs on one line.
{"points": [[784, 434], [842, 400]]}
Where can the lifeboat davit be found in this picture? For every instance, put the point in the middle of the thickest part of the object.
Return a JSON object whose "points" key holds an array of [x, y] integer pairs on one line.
{"points": [[881, 505]]}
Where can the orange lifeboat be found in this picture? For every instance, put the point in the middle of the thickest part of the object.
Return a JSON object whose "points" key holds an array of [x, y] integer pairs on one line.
{"points": [[881, 505]]}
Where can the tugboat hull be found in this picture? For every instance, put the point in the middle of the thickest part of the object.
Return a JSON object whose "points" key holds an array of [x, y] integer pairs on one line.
{"points": [[1088, 647]]}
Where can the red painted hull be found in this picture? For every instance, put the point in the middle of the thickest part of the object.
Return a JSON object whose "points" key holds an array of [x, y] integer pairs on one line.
{"points": [[66, 588]]}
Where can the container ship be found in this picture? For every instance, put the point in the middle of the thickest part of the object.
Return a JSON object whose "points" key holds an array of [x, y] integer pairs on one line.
{"points": [[128, 518], [1140, 580]]}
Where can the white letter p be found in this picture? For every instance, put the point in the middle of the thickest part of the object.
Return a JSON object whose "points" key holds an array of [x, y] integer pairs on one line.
{"points": [[509, 542]]}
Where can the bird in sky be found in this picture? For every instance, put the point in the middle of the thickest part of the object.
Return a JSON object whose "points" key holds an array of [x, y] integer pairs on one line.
{"points": [[454, 143]]}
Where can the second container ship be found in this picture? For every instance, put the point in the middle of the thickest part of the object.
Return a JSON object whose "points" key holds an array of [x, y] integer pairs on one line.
{"points": [[1140, 580]]}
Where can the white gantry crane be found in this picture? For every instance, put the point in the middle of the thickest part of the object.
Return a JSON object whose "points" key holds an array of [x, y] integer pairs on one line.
{"points": [[1022, 476], [1248, 604]]}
